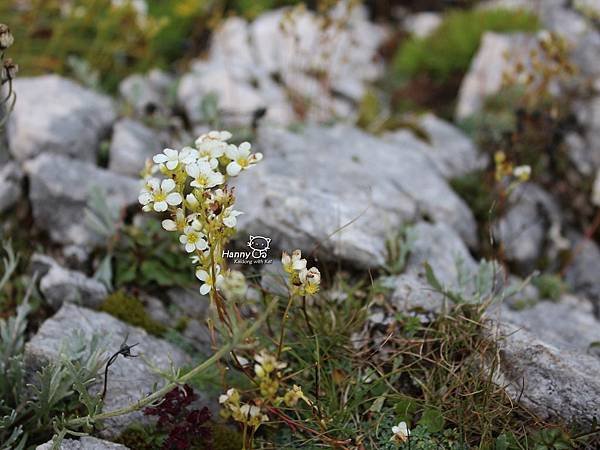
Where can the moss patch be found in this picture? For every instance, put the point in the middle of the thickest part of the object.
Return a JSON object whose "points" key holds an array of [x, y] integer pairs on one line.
{"points": [[131, 310], [451, 47]]}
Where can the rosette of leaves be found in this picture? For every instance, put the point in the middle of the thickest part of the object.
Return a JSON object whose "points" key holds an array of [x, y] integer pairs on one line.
{"points": [[149, 257]]}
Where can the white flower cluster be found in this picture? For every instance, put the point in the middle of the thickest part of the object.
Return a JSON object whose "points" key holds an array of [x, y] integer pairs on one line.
{"points": [[194, 192], [245, 413], [302, 280]]}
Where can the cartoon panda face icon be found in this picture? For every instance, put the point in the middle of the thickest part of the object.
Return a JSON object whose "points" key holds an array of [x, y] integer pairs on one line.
{"points": [[259, 246]]}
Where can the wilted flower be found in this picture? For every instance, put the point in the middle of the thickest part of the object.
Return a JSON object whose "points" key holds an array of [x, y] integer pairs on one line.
{"points": [[158, 195], [6, 37], [9, 69], [241, 158], [234, 285], [292, 396]]}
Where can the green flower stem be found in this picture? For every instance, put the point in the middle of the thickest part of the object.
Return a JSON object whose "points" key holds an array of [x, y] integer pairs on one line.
{"points": [[156, 396], [283, 321]]}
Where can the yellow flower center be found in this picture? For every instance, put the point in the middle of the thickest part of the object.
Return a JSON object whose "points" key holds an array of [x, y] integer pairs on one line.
{"points": [[160, 197], [311, 288], [202, 180], [243, 162]]}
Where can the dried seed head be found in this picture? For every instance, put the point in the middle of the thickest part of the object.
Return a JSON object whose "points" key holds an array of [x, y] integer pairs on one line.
{"points": [[6, 38], [9, 69]]}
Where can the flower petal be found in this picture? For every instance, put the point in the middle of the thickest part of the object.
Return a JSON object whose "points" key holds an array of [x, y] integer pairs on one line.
{"points": [[174, 198], [205, 289], [167, 185], [160, 206], [233, 169], [160, 158], [231, 152], [145, 197], [171, 154], [169, 225]]}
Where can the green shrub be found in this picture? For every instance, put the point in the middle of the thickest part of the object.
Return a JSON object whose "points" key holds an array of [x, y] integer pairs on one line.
{"points": [[148, 257], [129, 309], [449, 50], [550, 286], [110, 39]]}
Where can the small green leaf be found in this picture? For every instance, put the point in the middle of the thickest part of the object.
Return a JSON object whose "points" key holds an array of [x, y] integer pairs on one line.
{"points": [[405, 408], [432, 279], [433, 420], [377, 404]]}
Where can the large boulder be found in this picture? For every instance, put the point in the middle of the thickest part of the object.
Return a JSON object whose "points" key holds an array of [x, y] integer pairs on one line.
{"points": [[132, 144], [448, 148], [148, 94], [59, 190], [56, 115], [588, 115], [484, 77], [524, 229], [583, 273], [439, 246], [85, 443], [568, 324], [130, 379], [59, 284], [552, 382], [343, 191], [290, 62]]}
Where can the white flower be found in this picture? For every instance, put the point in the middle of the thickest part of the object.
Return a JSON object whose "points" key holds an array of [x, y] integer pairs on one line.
{"points": [[232, 396], [157, 195], [295, 262], [203, 175], [207, 279], [177, 224], [212, 146], [188, 155], [311, 275], [230, 217], [241, 158], [193, 239], [401, 433], [522, 172], [310, 279], [267, 363], [171, 158]]}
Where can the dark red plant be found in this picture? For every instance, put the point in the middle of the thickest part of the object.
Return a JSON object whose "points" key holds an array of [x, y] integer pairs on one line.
{"points": [[184, 428]]}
